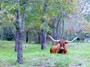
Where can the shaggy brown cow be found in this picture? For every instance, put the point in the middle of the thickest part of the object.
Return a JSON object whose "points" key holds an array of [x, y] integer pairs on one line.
{"points": [[61, 46]]}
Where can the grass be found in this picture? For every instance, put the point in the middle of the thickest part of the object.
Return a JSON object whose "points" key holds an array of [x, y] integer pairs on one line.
{"points": [[78, 56]]}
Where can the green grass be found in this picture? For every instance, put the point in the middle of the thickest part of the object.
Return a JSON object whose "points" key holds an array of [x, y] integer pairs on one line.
{"points": [[78, 56]]}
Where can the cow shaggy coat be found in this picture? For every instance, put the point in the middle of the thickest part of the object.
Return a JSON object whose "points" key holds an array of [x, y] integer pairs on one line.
{"points": [[61, 46]]}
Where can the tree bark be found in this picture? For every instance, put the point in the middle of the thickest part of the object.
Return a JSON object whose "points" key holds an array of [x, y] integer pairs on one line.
{"points": [[38, 38], [19, 42], [19, 24], [27, 32], [43, 46], [16, 39], [54, 29], [62, 24], [62, 29], [43, 42]]}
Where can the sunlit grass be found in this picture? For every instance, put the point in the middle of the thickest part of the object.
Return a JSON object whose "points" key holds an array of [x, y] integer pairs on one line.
{"points": [[33, 56]]}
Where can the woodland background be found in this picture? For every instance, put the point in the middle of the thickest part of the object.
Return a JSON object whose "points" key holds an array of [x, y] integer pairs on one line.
{"points": [[31, 21]]}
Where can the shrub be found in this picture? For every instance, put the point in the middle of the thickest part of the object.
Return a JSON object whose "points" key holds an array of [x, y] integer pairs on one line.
{"points": [[8, 33]]}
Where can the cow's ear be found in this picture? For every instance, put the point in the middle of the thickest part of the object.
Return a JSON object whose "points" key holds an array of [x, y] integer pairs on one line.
{"points": [[66, 42]]}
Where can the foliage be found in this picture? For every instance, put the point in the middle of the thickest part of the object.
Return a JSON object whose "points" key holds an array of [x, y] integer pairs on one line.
{"points": [[87, 17], [86, 27], [35, 12], [8, 33]]}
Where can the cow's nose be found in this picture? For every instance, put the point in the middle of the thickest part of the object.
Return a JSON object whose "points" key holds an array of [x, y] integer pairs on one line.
{"points": [[62, 48]]}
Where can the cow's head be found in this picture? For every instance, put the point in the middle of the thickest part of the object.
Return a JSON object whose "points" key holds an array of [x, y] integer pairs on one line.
{"points": [[62, 43]]}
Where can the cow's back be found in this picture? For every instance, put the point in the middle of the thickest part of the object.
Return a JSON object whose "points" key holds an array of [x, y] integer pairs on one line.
{"points": [[54, 49]]}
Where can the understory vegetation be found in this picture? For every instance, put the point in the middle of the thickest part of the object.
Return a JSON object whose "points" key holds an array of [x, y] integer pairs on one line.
{"points": [[78, 55]]}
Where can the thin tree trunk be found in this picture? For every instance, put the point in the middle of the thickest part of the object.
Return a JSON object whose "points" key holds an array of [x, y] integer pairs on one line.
{"points": [[38, 38], [27, 32], [62, 24], [58, 18], [16, 44], [19, 44], [62, 34], [54, 30], [57, 36], [19, 37], [61, 29], [43, 46], [43, 42], [19, 24]]}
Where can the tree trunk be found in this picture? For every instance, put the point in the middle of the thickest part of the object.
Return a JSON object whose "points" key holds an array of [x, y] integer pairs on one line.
{"points": [[57, 29], [43, 46], [62, 29], [54, 29], [19, 48], [16, 44], [19, 24], [27, 32], [38, 38], [43, 42]]}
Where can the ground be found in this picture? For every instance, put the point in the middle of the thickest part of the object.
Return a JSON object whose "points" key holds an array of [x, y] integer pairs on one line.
{"points": [[78, 56]]}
